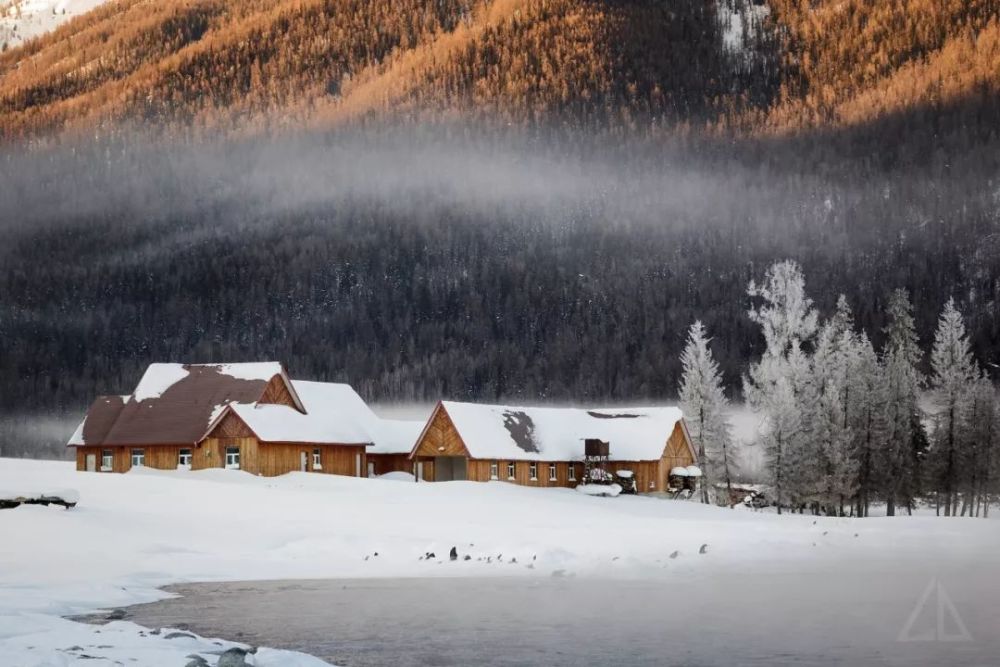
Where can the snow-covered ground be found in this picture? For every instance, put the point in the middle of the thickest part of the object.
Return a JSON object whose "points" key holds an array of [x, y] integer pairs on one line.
{"points": [[132, 533], [20, 20]]}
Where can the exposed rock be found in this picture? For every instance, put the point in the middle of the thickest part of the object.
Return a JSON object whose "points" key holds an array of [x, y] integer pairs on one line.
{"points": [[453, 555], [675, 554], [234, 657], [116, 615], [179, 635], [703, 549]]}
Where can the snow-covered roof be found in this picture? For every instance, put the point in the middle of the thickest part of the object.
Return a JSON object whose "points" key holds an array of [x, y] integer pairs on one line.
{"points": [[557, 434], [335, 414], [395, 436], [182, 403]]}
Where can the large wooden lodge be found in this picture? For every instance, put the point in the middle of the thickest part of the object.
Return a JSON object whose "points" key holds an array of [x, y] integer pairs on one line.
{"points": [[253, 417], [249, 417]]}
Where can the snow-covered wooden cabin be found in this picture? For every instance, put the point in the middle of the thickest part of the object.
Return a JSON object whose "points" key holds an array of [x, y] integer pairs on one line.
{"points": [[544, 446], [248, 416]]}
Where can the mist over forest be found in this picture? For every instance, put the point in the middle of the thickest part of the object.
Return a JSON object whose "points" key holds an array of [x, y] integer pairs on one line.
{"points": [[429, 262]]}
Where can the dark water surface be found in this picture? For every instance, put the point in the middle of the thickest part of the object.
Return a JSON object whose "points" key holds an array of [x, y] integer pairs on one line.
{"points": [[774, 618]]}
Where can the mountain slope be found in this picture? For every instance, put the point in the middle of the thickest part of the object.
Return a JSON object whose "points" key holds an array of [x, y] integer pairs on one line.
{"points": [[250, 65]]}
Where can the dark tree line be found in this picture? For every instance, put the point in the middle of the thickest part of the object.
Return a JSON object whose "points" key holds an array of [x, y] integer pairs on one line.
{"points": [[501, 268]]}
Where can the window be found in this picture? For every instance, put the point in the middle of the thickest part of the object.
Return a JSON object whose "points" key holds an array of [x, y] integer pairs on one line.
{"points": [[184, 458], [107, 460], [533, 471], [317, 460], [552, 472], [510, 470], [494, 470], [233, 458], [572, 472], [138, 457]]}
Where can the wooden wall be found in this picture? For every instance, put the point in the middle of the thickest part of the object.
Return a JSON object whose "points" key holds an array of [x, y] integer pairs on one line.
{"points": [[277, 458], [677, 453], [162, 457], [211, 453], [646, 472]]}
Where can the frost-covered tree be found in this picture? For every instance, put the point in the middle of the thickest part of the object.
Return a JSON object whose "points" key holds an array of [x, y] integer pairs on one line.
{"points": [[834, 356], [864, 394], [705, 406], [899, 456], [982, 441], [954, 372], [780, 384]]}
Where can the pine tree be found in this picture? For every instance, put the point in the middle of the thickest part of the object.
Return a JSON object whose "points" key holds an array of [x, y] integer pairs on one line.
{"points": [[954, 371], [900, 361], [704, 404], [833, 360], [863, 396], [779, 384]]}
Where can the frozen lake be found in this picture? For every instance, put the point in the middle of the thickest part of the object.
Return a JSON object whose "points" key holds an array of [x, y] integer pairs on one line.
{"points": [[764, 618]]}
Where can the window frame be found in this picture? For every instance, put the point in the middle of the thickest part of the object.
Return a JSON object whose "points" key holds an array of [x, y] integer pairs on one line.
{"points": [[571, 471], [553, 474], [494, 470], [107, 460], [511, 470], [533, 471], [317, 458], [140, 455], [238, 457], [181, 456]]}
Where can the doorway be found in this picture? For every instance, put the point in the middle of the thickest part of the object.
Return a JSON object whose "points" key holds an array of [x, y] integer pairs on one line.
{"points": [[91, 462], [450, 469], [303, 462]]}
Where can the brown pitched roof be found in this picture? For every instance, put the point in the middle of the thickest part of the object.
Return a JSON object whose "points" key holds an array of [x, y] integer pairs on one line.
{"points": [[174, 403], [100, 418]]}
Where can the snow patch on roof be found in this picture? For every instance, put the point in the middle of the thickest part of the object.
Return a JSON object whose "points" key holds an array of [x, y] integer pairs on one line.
{"points": [[77, 438], [258, 370], [557, 434], [157, 379]]}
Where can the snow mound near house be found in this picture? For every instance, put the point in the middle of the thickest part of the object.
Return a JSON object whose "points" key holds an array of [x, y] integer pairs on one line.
{"points": [[397, 476], [601, 490]]}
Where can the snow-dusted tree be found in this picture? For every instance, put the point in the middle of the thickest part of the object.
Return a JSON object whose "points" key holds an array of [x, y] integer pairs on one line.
{"points": [[953, 374], [779, 385], [899, 457], [836, 474], [864, 395], [983, 432], [704, 404]]}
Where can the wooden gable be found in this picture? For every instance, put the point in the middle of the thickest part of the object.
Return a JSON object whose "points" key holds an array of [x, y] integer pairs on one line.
{"points": [[231, 426], [679, 450], [277, 393], [440, 437]]}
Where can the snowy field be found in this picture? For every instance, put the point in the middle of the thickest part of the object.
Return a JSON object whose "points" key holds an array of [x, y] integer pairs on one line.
{"points": [[20, 20], [133, 533]]}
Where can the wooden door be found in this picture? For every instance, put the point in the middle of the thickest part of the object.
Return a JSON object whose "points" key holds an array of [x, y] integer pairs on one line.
{"points": [[91, 462]]}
